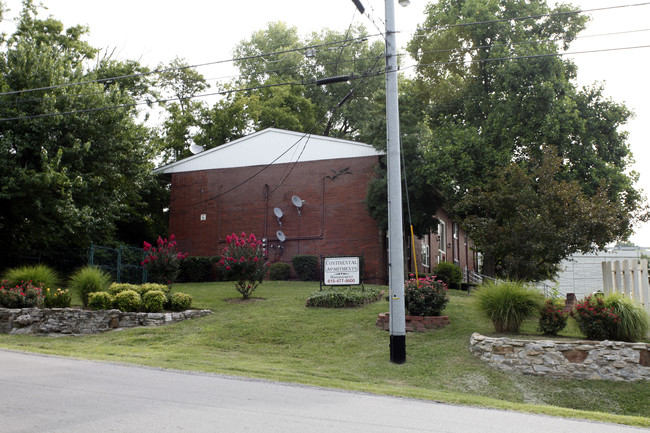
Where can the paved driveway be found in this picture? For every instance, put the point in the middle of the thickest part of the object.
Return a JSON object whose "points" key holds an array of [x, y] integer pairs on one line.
{"points": [[52, 394]]}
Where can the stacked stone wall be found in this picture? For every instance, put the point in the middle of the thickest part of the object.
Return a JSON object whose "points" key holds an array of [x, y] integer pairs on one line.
{"points": [[599, 360], [77, 321]]}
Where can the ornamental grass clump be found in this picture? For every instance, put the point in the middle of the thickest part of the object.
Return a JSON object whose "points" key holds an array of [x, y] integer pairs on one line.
{"points": [[425, 296], [635, 322], [162, 262], [595, 320], [552, 318], [508, 303], [40, 275], [245, 260], [87, 280]]}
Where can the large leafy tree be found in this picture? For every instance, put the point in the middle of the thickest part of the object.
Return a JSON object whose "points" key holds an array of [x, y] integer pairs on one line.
{"points": [[495, 94], [70, 168], [276, 86]]}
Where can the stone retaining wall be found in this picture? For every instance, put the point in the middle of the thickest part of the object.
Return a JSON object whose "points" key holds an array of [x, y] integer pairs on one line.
{"points": [[609, 360], [77, 321]]}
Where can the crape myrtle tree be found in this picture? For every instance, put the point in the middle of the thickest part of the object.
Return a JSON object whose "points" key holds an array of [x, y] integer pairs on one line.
{"points": [[70, 170], [517, 149]]}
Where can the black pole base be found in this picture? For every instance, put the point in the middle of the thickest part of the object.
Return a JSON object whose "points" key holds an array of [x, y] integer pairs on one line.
{"points": [[398, 349]]}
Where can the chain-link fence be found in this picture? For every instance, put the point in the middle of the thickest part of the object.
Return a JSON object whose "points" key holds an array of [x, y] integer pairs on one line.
{"points": [[123, 263]]}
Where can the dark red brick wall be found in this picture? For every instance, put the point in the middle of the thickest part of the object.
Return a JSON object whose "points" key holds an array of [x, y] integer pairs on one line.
{"points": [[333, 220]]}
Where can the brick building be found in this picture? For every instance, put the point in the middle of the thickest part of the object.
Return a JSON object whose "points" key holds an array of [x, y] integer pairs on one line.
{"points": [[304, 194]]}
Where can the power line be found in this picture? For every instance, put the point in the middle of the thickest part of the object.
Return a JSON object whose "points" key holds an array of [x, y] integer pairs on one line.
{"points": [[551, 14], [157, 71], [159, 101]]}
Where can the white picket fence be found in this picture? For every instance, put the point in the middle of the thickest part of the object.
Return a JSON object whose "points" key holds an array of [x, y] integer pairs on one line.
{"points": [[629, 277]]}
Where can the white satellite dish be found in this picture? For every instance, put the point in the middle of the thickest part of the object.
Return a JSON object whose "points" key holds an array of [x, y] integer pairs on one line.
{"points": [[280, 235], [195, 148], [297, 202], [278, 212]]}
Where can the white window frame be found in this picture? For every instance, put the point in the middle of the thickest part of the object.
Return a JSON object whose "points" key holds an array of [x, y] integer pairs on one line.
{"points": [[426, 255], [442, 241]]}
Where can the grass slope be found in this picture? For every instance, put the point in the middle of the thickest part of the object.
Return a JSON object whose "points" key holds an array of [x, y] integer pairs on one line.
{"points": [[278, 338]]}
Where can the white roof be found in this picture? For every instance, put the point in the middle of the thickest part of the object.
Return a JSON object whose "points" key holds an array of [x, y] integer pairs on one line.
{"points": [[271, 146]]}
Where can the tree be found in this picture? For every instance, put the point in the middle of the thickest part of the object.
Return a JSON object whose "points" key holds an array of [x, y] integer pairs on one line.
{"points": [[497, 98], [182, 83], [71, 167], [277, 87]]}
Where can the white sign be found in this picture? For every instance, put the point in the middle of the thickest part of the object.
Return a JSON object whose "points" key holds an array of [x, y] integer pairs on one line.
{"points": [[343, 271]]}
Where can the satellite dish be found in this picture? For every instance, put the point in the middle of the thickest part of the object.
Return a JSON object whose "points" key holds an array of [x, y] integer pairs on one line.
{"points": [[297, 202], [195, 148], [278, 212], [280, 235]]}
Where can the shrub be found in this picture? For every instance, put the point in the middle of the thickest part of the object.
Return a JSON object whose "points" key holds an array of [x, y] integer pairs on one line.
{"points": [[100, 301], [163, 262], [153, 301], [595, 320], [116, 288], [341, 298], [552, 318], [305, 267], [128, 300], [180, 301], [634, 320], [197, 269], [152, 287], [450, 274], [57, 298], [39, 275], [87, 280], [279, 271], [23, 295], [246, 261], [508, 303], [425, 296]]}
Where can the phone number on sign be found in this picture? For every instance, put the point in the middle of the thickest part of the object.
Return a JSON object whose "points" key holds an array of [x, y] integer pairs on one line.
{"points": [[341, 281]]}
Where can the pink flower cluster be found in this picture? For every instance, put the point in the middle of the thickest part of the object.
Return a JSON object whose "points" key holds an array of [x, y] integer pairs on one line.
{"points": [[245, 260], [162, 261]]}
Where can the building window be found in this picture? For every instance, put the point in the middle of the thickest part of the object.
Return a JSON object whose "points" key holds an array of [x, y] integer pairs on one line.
{"points": [[426, 257], [442, 241], [455, 241]]}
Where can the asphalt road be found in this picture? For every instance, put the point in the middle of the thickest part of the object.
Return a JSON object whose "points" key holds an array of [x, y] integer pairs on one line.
{"points": [[53, 394]]}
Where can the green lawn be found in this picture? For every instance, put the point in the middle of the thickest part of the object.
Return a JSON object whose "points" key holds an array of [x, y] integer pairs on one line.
{"points": [[278, 338]]}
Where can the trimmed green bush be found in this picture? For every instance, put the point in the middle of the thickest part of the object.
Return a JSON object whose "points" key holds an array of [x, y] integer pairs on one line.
{"points": [[153, 287], [343, 298], [180, 301], [634, 323], [198, 269], [508, 303], [116, 288], [280, 271], [552, 318], [450, 274], [128, 300], [305, 267], [425, 296], [40, 275], [153, 301], [87, 280], [100, 301]]}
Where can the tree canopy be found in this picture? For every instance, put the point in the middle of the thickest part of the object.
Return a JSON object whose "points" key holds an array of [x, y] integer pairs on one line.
{"points": [[71, 169], [497, 99]]}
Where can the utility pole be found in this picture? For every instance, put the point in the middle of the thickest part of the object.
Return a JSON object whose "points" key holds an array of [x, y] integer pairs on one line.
{"points": [[397, 321], [397, 324]]}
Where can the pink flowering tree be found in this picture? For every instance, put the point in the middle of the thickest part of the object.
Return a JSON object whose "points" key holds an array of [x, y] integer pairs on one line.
{"points": [[244, 259], [163, 261]]}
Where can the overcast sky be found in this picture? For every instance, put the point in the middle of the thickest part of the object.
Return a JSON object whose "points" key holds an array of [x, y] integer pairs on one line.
{"points": [[155, 32]]}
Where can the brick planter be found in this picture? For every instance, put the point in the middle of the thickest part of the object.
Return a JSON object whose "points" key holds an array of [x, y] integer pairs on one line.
{"points": [[415, 323]]}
